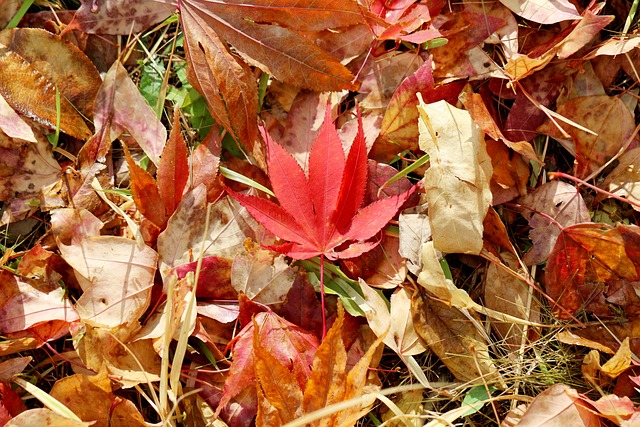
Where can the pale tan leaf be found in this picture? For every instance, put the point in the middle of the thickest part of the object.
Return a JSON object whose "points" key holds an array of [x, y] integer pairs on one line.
{"points": [[506, 293], [116, 276], [454, 339], [457, 182], [559, 406], [44, 417]]}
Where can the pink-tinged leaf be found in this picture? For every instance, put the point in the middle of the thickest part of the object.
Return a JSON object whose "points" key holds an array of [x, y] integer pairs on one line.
{"points": [[326, 167], [543, 11], [290, 186], [119, 16], [354, 182], [115, 275], [173, 169], [23, 307], [119, 106], [559, 406], [275, 219], [371, 219], [12, 124]]}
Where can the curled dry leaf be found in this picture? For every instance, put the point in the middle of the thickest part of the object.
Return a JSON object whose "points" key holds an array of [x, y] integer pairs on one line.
{"points": [[457, 182], [119, 106], [34, 65]]}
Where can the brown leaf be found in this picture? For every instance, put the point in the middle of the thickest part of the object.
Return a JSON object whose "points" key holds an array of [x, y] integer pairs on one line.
{"points": [[91, 399], [33, 65], [119, 17], [607, 116], [507, 294], [453, 339], [278, 50], [559, 406]]}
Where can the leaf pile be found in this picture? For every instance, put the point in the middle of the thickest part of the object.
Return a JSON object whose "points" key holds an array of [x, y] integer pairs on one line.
{"points": [[325, 213]]}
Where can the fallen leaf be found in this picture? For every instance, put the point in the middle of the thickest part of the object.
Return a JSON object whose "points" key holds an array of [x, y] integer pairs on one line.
{"points": [[91, 399], [36, 64], [505, 293], [455, 341], [457, 182], [559, 406], [119, 106], [13, 125], [608, 117], [624, 179], [561, 202], [173, 168], [119, 16], [592, 266], [44, 417], [543, 11], [115, 274], [319, 213]]}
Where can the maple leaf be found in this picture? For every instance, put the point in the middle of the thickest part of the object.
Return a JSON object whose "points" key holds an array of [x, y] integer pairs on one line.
{"points": [[320, 215]]}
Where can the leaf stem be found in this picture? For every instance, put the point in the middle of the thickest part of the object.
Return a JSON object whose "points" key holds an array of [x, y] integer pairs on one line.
{"points": [[324, 316]]}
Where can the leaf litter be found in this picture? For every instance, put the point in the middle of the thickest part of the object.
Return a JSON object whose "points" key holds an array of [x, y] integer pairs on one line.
{"points": [[413, 251]]}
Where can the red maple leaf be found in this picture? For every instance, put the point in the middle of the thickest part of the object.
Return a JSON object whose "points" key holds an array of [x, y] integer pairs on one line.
{"points": [[321, 215]]}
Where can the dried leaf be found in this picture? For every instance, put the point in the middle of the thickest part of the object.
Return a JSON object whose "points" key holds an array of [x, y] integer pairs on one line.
{"points": [[624, 179], [558, 200], [173, 169], [91, 399], [454, 340], [119, 16], [44, 417], [543, 11], [559, 406], [457, 182], [34, 65], [115, 275], [12, 125]]}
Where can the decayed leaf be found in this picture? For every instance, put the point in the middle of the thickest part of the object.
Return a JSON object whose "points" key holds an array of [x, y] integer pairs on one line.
{"points": [[456, 341], [91, 399], [115, 275], [507, 294], [560, 201], [559, 406], [34, 64], [119, 16], [320, 213], [543, 11], [592, 266], [457, 182], [607, 116], [26, 168]]}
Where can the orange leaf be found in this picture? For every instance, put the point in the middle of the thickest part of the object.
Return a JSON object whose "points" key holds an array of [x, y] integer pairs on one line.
{"points": [[173, 169], [145, 192]]}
